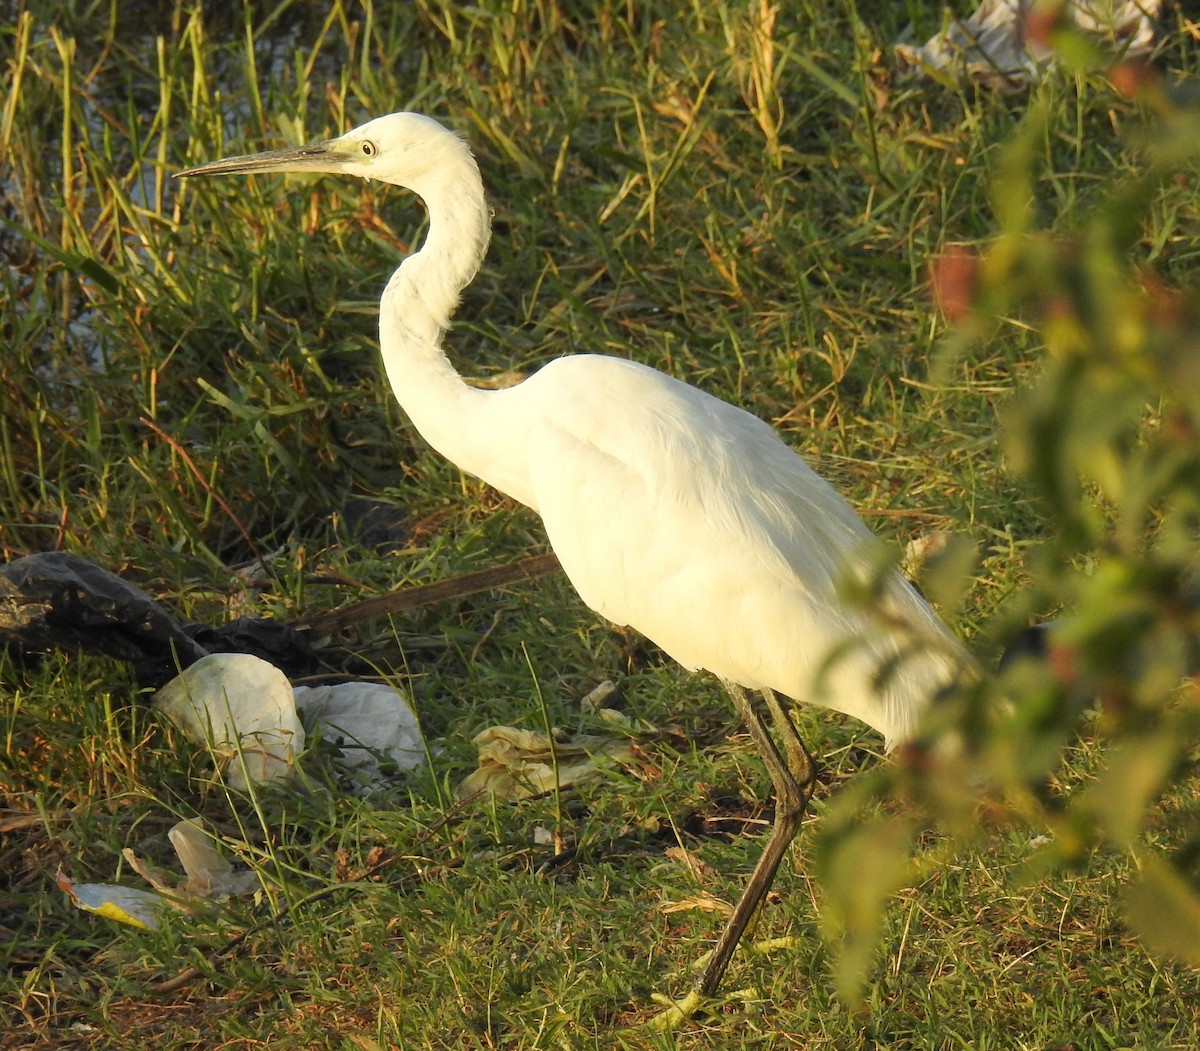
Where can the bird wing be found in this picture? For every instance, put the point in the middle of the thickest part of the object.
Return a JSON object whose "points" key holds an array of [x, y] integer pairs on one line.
{"points": [[690, 520]]}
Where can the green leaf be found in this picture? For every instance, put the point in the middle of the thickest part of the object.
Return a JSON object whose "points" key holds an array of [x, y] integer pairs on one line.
{"points": [[1164, 910], [863, 866], [1136, 774]]}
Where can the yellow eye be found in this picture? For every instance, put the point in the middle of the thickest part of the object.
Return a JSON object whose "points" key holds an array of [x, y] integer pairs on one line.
{"points": [[369, 149]]}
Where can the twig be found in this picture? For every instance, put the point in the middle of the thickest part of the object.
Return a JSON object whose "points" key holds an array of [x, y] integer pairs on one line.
{"points": [[427, 594]]}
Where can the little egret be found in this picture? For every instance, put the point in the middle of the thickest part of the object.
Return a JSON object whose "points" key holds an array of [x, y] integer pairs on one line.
{"points": [[671, 511]]}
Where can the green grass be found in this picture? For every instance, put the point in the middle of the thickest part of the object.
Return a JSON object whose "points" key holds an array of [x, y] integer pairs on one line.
{"points": [[751, 206]]}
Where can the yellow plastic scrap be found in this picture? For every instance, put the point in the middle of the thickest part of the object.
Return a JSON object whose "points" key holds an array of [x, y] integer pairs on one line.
{"points": [[137, 908]]}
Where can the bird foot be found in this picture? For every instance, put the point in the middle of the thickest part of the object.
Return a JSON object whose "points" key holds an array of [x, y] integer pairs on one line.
{"points": [[676, 1013]]}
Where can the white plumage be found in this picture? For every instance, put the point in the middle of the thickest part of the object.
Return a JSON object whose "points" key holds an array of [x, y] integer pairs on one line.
{"points": [[672, 512]]}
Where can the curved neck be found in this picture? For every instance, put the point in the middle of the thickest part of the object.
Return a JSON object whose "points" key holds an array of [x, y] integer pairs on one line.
{"points": [[423, 293], [415, 311]]}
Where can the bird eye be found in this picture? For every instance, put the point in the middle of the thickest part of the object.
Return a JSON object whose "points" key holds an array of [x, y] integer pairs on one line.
{"points": [[368, 148]]}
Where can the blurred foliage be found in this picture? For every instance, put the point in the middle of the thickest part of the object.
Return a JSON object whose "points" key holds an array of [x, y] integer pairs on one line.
{"points": [[1105, 435]]}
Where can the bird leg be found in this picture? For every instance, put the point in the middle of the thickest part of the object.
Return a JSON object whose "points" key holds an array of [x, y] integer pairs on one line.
{"points": [[793, 775]]}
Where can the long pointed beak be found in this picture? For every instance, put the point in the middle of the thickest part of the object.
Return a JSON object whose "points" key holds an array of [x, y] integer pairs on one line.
{"points": [[315, 157]]}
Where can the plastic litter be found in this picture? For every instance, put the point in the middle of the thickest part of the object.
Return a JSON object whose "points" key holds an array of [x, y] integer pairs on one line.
{"points": [[248, 714], [208, 874], [243, 709], [58, 601], [373, 726], [993, 47], [515, 764], [128, 905], [55, 600], [208, 877]]}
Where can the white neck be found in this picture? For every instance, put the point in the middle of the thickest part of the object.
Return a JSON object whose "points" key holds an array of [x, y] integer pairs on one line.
{"points": [[415, 311]]}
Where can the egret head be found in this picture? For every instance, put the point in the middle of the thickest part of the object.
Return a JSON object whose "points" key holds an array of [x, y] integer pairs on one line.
{"points": [[404, 149]]}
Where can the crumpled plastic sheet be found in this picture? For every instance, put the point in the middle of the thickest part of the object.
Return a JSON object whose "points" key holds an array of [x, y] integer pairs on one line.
{"points": [[208, 877], [207, 874], [372, 725], [243, 708], [991, 47], [59, 601], [56, 600], [247, 713], [515, 763]]}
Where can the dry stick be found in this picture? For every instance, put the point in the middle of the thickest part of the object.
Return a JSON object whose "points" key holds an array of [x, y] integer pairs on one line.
{"points": [[209, 489], [394, 601], [426, 594]]}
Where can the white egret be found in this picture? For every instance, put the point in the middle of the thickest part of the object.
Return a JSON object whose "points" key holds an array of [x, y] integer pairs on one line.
{"points": [[672, 512]]}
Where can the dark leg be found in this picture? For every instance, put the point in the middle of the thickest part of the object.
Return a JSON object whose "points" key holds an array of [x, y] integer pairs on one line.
{"points": [[793, 774]]}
